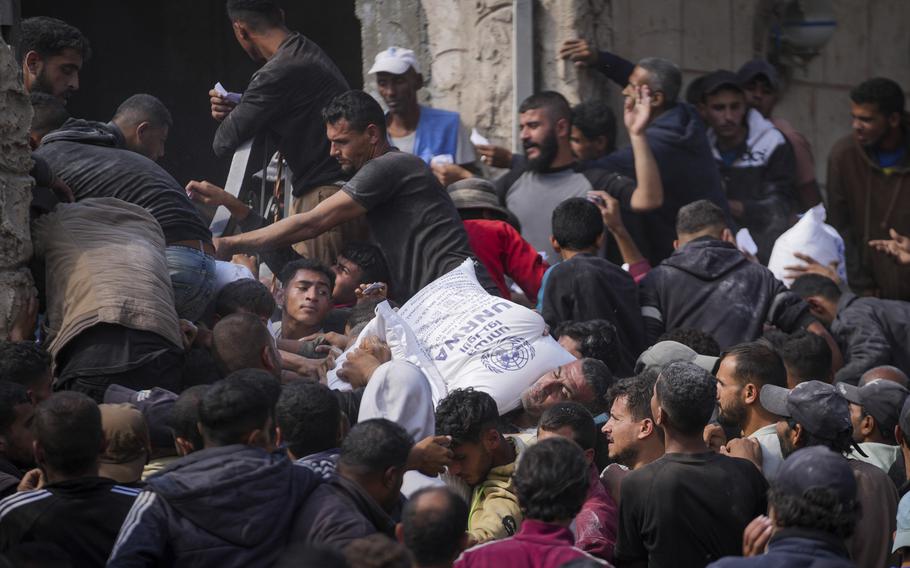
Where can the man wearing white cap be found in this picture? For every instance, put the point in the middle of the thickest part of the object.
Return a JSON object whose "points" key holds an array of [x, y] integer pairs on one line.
{"points": [[437, 136]]}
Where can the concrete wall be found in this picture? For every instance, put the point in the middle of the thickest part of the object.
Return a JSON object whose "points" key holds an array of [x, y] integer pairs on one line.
{"points": [[465, 52], [15, 192], [703, 35], [465, 49]]}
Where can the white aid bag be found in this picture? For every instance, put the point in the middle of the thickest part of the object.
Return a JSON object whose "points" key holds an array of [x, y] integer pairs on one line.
{"points": [[461, 336], [810, 236], [227, 272]]}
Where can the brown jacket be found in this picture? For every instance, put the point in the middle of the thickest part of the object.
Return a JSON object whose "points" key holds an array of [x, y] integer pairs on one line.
{"points": [[870, 544], [865, 201], [105, 263]]}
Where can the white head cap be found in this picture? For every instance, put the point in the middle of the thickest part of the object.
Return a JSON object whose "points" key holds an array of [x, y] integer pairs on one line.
{"points": [[394, 60]]}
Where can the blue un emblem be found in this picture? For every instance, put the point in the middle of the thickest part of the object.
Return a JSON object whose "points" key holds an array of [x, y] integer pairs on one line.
{"points": [[510, 354]]}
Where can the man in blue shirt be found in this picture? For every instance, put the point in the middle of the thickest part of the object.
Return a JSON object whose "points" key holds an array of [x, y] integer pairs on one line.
{"points": [[437, 136]]}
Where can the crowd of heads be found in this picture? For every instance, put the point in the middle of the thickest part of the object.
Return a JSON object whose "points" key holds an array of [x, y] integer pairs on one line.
{"points": [[258, 375]]}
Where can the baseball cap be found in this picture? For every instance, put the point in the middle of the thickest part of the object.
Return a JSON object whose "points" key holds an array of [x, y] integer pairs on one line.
{"points": [[880, 398], [720, 78], [156, 405], [752, 69], [816, 467], [904, 419], [902, 534], [665, 352], [394, 60], [478, 193], [818, 406], [127, 448]]}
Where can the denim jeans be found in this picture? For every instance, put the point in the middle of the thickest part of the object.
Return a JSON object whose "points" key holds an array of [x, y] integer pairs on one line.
{"points": [[193, 277]]}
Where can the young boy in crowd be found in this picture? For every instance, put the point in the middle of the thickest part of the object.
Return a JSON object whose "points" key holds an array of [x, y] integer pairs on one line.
{"points": [[585, 286]]}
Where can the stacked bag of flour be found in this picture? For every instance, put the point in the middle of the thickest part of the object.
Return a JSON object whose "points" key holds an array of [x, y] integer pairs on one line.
{"points": [[460, 336]]}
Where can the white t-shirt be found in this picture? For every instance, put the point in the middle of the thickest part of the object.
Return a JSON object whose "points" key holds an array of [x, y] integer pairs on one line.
{"points": [[771, 455]]}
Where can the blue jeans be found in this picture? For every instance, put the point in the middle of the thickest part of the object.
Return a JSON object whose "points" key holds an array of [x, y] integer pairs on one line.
{"points": [[193, 277]]}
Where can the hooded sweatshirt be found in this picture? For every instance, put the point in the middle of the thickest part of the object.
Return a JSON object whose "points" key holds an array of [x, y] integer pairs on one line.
{"points": [[762, 179], [495, 512], [92, 159], [678, 140], [227, 506], [871, 332], [709, 285], [864, 201]]}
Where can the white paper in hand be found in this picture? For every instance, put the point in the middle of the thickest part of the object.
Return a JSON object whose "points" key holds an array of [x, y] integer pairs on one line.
{"points": [[478, 139], [228, 96], [745, 242], [442, 160]]}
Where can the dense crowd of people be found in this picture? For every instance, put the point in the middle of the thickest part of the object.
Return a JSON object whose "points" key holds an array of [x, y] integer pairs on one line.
{"points": [[165, 398]]}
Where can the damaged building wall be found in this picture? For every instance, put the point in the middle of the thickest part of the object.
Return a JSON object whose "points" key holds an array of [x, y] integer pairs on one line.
{"points": [[464, 47], [15, 192], [465, 52]]}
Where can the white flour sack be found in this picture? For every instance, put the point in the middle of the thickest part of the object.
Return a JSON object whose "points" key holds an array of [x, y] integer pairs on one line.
{"points": [[811, 236], [461, 337]]}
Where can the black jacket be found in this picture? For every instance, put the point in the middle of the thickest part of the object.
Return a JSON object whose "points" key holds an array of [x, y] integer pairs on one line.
{"points": [[81, 516], [285, 99], [338, 512], [871, 332], [228, 506], [709, 285], [680, 146], [762, 178], [10, 475], [795, 548], [587, 287], [91, 158]]}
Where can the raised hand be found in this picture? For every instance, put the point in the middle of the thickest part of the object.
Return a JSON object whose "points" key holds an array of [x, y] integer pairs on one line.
{"points": [[897, 246], [637, 110], [579, 51]]}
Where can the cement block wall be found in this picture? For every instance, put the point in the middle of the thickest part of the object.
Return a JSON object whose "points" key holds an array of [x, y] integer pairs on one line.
{"points": [[465, 49]]}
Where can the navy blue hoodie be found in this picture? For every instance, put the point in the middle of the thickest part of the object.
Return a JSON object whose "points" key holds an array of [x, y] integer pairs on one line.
{"points": [[679, 142], [228, 506]]}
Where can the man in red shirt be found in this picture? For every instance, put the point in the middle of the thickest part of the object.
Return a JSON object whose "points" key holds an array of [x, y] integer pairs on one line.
{"points": [[493, 232]]}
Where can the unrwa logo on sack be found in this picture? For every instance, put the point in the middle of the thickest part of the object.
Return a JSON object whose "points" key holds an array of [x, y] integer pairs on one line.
{"points": [[510, 354]]}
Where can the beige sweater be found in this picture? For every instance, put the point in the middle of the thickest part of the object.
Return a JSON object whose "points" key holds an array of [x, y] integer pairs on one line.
{"points": [[105, 263]]}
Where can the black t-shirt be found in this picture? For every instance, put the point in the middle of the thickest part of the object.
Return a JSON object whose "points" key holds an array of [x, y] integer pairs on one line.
{"points": [[285, 98], [688, 509], [83, 155], [412, 218]]}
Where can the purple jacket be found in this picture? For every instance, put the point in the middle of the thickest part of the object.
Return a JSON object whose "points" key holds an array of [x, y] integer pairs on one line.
{"points": [[597, 522], [537, 545]]}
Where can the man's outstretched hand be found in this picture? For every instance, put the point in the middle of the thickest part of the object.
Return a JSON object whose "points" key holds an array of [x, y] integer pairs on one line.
{"points": [[580, 52], [224, 248], [494, 156], [897, 246]]}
